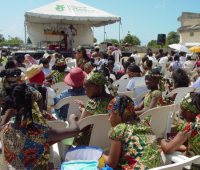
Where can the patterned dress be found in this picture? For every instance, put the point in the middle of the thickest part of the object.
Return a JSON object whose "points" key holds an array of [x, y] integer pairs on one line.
{"points": [[81, 62], [98, 105], [150, 95], [26, 148], [139, 148], [94, 106], [57, 76], [191, 129], [147, 102]]}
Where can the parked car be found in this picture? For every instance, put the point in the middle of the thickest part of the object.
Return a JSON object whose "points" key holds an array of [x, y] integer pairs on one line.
{"points": [[35, 54]]}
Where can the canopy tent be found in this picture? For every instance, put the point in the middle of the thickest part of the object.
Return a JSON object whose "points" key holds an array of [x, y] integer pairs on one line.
{"points": [[70, 12], [66, 12]]}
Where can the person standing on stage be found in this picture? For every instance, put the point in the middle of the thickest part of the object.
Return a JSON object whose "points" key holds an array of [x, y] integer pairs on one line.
{"points": [[71, 31]]}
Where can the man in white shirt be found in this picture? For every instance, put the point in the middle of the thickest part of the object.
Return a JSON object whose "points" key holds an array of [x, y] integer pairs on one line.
{"points": [[136, 56], [136, 82], [188, 65], [182, 58], [117, 54]]}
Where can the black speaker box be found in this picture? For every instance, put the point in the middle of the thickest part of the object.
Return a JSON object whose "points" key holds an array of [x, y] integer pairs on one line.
{"points": [[161, 39]]}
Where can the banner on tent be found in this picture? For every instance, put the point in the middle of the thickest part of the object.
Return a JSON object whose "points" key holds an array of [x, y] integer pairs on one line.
{"points": [[54, 29]]}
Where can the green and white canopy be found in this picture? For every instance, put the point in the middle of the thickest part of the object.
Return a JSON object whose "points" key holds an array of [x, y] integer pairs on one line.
{"points": [[70, 12]]}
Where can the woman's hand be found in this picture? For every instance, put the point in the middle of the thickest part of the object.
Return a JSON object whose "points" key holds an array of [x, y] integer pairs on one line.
{"points": [[175, 144], [79, 102], [81, 105], [73, 121], [73, 117]]}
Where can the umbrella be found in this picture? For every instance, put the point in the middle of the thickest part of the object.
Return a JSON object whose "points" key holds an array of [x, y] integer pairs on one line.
{"points": [[195, 49], [179, 47]]}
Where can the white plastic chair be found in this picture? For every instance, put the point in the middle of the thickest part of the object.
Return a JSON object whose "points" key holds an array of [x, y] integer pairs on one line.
{"points": [[125, 76], [57, 150], [101, 127], [161, 119], [71, 64], [180, 93], [73, 107], [137, 100], [59, 87], [180, 165], [126, 93], [121, 84]]}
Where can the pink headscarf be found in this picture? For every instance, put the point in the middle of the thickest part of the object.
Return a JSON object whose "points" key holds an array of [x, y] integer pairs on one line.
{"points": [[29, 59]]}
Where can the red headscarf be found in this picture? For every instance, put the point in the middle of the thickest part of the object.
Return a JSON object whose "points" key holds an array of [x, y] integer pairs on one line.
{"points": [[38, 78]]}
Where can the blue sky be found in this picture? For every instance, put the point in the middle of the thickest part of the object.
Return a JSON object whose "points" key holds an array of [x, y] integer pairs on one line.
{"points": [[143, 18]]}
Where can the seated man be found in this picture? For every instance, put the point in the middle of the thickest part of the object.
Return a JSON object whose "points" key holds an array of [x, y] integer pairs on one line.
{"points": [[136, 82]]}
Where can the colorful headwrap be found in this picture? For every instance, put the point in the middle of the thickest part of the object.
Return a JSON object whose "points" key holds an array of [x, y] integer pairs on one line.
{"points": [[189, 105], [60, 62], [97, 77], [122, 105], [155, 72]]}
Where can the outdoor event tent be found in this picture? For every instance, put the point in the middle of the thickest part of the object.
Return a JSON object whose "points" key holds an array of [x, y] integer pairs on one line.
{"points": [[46, 23]]}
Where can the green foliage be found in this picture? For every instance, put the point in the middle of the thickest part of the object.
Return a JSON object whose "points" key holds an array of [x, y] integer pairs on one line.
{"points": [[153, 43], [29, 40], [113, 41], [94, 40], [2, 39], [11, 41], [173, 38], [14, 40], [131, 39]]}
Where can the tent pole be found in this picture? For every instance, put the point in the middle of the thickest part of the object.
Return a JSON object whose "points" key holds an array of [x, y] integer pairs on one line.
{"points": [[25, 39], [119, 31], [104, 34]]}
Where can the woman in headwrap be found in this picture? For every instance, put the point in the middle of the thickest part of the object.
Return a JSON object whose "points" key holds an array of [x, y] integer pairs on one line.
{"points": [[133, 144], [189, 129], [58, 71], [14, 76], [27, 138], [154, 97], [94, 85]]}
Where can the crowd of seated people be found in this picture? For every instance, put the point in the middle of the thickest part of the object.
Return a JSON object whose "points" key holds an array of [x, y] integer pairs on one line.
{"points": [[27, 137]]}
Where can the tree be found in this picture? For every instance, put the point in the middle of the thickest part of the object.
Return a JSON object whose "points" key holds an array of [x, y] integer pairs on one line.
{"points": [[2, 39], [173, 38], [14, 41], [131, 39], [29, 40], [153, 43], [113, 41], [94, 40]]}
